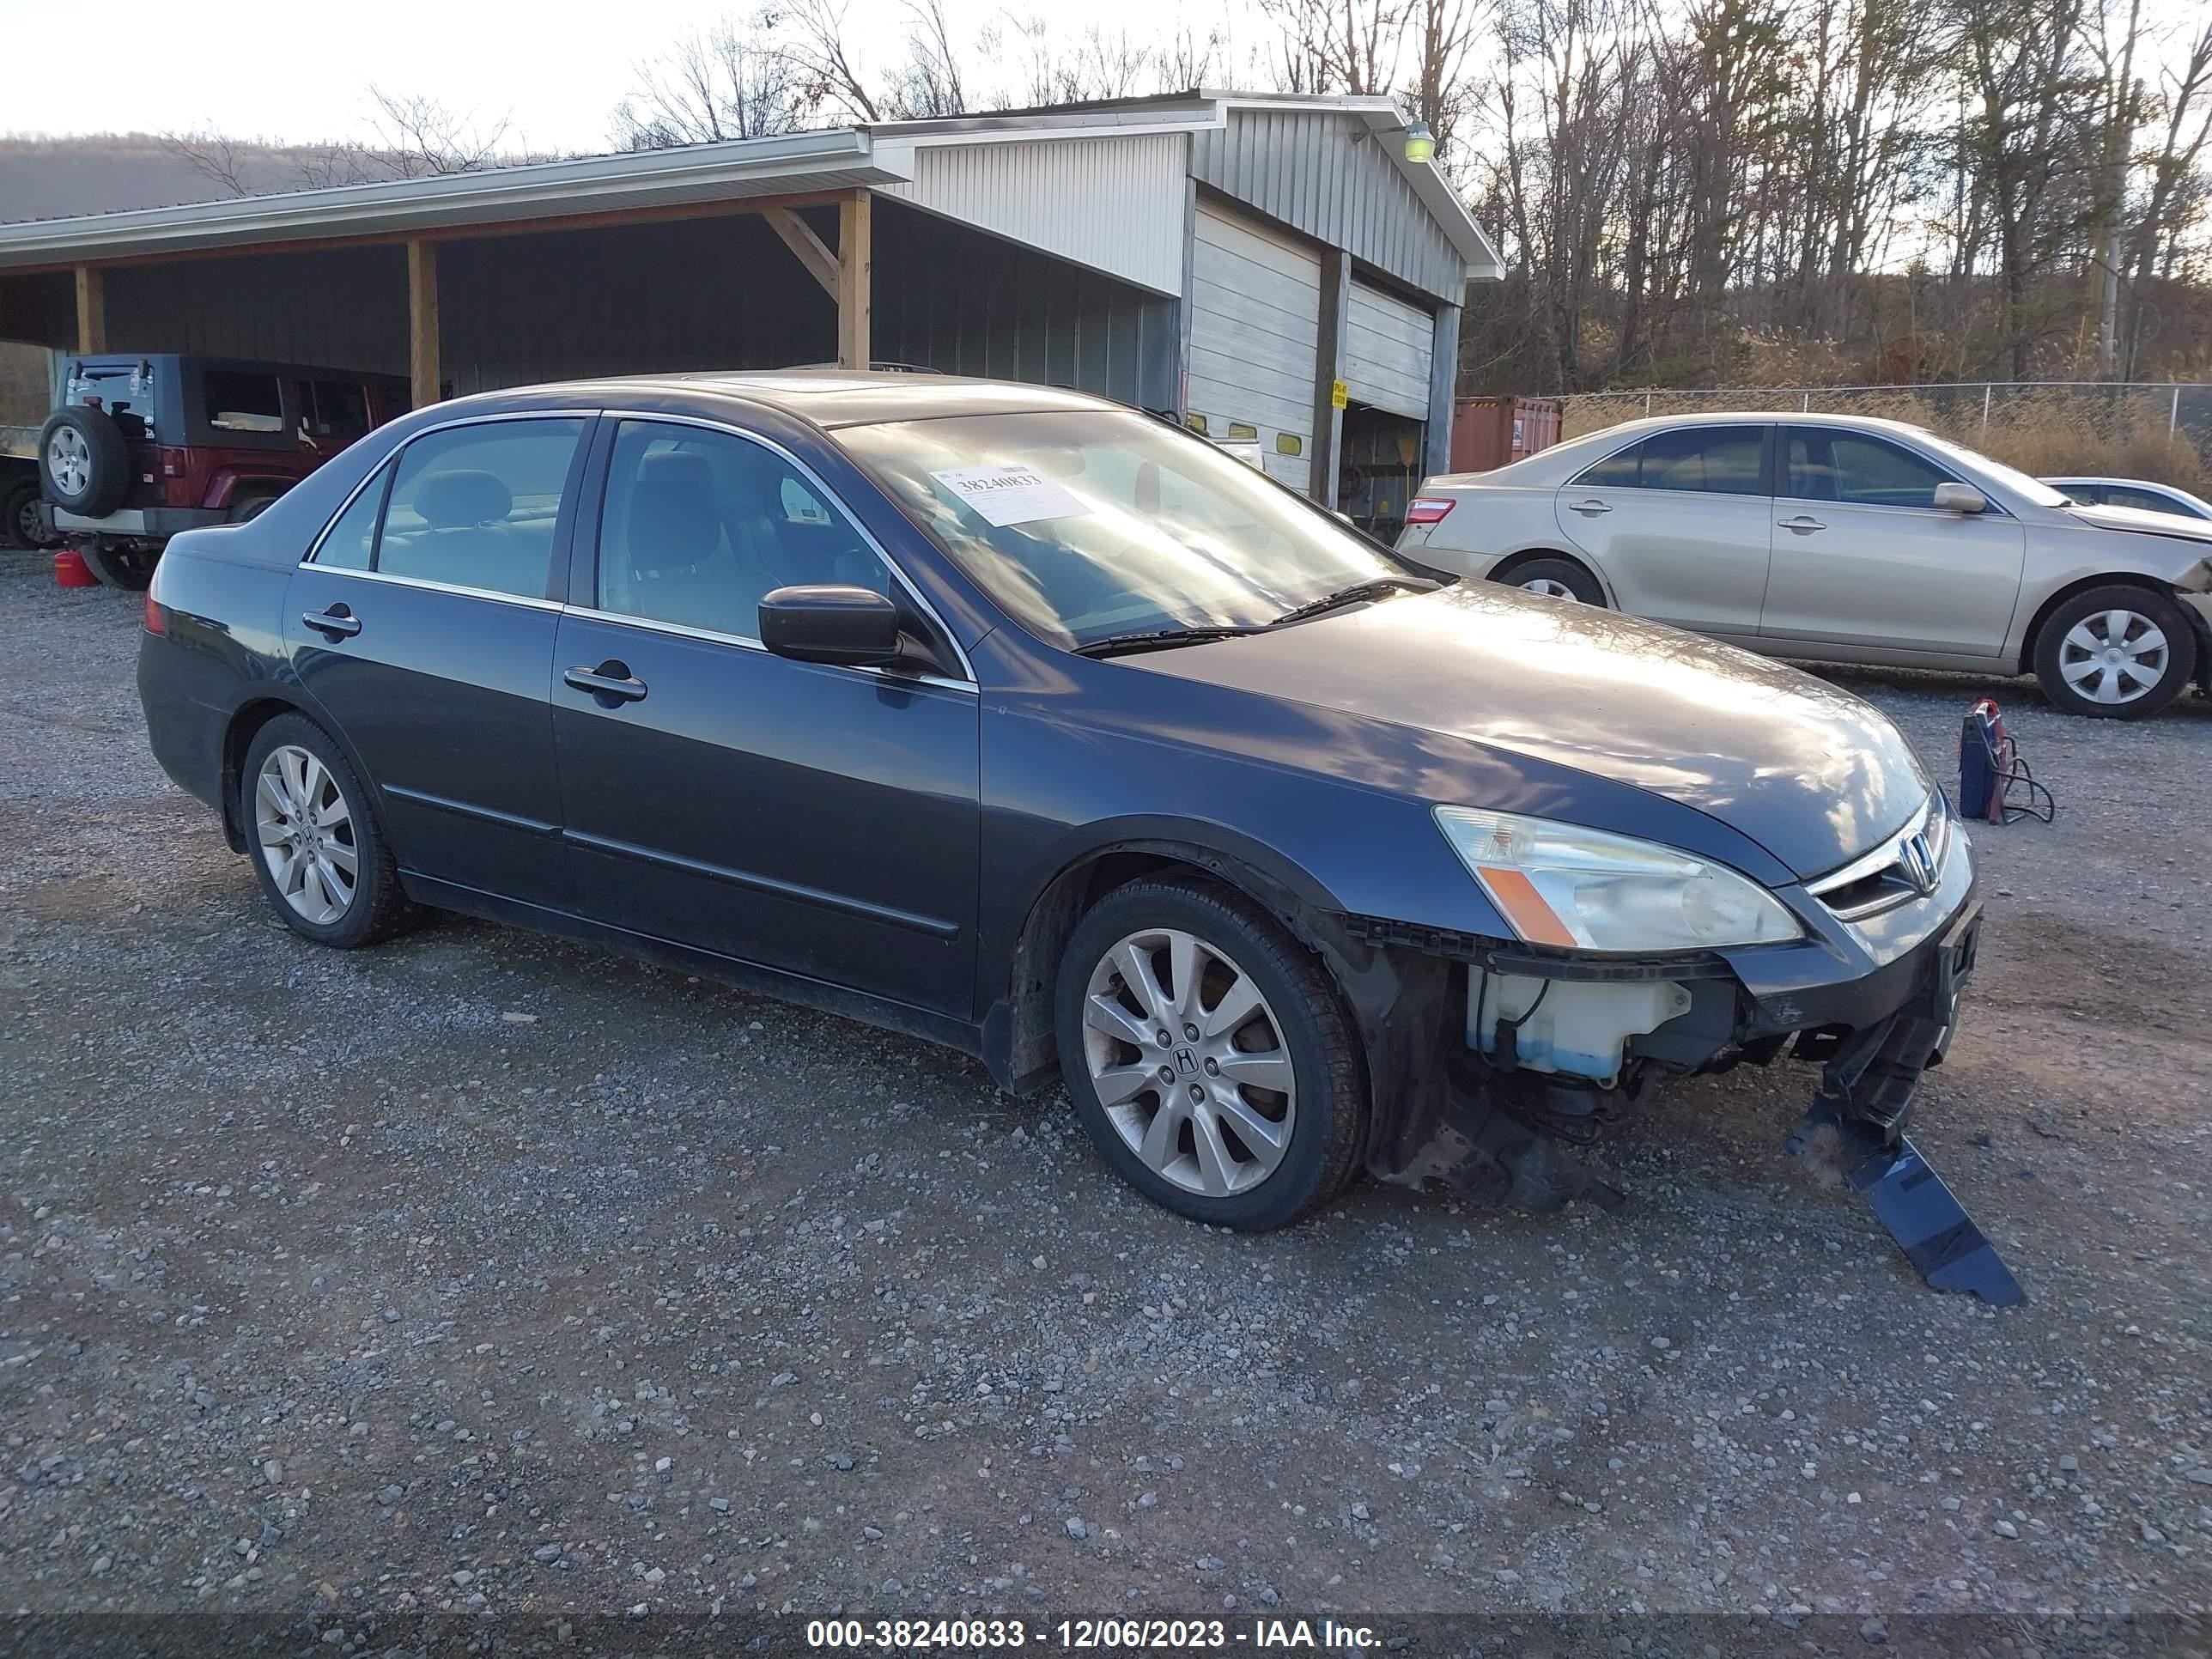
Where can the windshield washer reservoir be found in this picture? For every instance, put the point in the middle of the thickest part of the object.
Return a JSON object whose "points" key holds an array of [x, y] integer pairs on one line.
{"points": [[1579, 1027]]}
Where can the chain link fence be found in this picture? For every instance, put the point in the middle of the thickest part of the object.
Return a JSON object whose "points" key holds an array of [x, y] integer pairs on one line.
{"points": [[2160, 430]]}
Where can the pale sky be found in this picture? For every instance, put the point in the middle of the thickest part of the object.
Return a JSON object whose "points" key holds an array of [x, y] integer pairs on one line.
{"points": [[300, 72], [554, 69]]}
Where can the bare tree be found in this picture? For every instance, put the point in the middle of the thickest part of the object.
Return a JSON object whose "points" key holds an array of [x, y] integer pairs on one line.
{"points": [[216, 156], [930, 82], [1441, 33], [1338, 46], [730, 81], [811, 35]]}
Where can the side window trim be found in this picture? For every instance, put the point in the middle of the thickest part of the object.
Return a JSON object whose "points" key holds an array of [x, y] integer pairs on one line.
{"points": [[584, 564], [564, 524]]}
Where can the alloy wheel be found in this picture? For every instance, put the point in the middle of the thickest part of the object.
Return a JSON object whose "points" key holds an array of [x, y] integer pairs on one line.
{"points": [[69, 458], [1551, 586], [1189, 1062], [305, 827], [2114, 657], [29, 531]]}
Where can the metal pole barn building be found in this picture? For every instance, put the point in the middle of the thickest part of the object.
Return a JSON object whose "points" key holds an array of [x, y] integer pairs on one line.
{"points": [[1273, 269]]}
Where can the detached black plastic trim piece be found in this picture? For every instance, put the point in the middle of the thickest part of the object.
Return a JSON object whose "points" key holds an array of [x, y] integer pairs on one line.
{"points": [[1501, 957]]}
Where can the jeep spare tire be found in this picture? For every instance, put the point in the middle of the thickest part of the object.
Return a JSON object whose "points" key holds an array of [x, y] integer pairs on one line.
{"points": [[84, 462]]}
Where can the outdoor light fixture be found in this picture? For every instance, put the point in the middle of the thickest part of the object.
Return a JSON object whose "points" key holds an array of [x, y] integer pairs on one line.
{"points": [[1420, 143]]}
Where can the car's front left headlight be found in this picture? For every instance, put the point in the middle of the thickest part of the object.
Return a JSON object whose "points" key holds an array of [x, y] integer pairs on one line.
{"points": [[1587, 890]]}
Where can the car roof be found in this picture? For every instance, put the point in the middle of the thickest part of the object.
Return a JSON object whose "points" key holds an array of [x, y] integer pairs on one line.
{"points": [[1761, 417], [825, 397]]}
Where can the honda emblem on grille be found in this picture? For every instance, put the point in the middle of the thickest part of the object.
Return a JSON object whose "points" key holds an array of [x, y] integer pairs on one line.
{"points": [[1919, 864]]}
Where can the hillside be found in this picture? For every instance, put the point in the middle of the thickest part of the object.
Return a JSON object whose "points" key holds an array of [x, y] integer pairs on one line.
{"points": [[54, 177]]}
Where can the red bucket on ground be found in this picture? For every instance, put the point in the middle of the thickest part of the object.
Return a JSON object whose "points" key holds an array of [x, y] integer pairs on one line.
{"points": [[71, 571]]}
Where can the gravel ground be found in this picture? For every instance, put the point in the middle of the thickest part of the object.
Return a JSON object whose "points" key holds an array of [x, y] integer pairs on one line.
{"points": [[486, 1273]]}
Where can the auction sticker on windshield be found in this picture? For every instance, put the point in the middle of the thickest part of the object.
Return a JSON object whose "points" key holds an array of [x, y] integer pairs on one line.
{"points": [[1011, 494]]}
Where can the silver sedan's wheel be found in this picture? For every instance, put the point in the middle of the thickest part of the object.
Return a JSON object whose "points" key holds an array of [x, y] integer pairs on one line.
{"points": [[1555, 588], [306, 832], [1189, 1062], [2114, 657], [69, 458]]}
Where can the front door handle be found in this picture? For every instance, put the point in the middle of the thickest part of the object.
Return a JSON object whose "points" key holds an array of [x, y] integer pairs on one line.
{"points": [[1803, 525], [1589, 509], [337, 623], [610, 682]]}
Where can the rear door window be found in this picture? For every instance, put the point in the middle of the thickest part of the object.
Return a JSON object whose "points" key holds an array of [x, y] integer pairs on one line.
{"points": [[1713, 460], [238, 400], [476, 505]]}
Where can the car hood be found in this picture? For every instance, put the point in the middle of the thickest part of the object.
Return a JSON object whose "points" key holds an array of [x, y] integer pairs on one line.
{"points": [[1811, 773], [2141, 523]]}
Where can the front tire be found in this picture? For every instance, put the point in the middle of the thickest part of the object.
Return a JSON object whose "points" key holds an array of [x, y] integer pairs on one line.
{"points": [[1209, 1056], [2120, 652], [314, 837]]}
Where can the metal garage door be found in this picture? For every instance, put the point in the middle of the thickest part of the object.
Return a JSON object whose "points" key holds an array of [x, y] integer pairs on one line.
{"points": [[1255, 336], [1386, 346]]}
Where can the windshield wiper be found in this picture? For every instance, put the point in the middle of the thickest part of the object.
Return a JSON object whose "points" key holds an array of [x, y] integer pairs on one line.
{"points": [[1354, 594], [1156, 639]]}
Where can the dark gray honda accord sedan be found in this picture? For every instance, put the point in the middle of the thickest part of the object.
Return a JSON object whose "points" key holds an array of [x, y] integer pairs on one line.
{"points": [[1030, 724]]}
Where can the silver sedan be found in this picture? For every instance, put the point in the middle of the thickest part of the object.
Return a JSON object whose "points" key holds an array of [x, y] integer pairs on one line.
{"points": [[1838, 538]]}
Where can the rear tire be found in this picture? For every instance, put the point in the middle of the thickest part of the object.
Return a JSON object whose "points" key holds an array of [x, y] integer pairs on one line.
{"points": [[246, 508], [2120, 652], [129, 568], [1254, 1109], [308, 817], [1559, 578], [19, 515]]}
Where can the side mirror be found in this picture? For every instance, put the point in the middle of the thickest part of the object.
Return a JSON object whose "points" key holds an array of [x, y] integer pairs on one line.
{"points": [[854, 627], [1960, 498]]}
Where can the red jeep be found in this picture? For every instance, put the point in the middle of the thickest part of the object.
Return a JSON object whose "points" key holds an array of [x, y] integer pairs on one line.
{"points": [[145, 446]]}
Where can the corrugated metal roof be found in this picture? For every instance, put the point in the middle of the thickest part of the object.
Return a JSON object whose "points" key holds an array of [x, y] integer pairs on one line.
{"points": [[1404, 212], [838, 159]]}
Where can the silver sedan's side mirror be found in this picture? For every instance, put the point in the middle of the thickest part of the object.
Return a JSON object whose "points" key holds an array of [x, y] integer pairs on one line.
{"points": [[1960, 498]]}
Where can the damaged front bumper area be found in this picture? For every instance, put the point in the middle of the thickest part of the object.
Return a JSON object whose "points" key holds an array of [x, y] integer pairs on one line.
{"points": [[1492, 1063]]}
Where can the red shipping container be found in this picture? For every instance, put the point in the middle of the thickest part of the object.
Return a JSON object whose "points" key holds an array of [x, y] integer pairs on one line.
{"points": [[1488, 432]]}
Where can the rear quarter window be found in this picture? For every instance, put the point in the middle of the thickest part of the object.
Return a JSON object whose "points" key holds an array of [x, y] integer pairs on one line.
{"points": [[235, 400]]}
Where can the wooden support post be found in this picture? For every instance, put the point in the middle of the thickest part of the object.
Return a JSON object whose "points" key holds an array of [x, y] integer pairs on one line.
{"points": [[855, 237], [91, 309], [422, 323], [799, 236]]}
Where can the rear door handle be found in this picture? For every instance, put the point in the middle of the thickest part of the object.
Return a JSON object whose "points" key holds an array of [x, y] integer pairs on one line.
{"points": [[610, 681], [1803, 525], [338, 621], [1589, 509]]}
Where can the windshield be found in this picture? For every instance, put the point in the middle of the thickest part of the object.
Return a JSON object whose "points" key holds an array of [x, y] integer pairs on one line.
{"points": [[2033, 489], [1093, 523]]}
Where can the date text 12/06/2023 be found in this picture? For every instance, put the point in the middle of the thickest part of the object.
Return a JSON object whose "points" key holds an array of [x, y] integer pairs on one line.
{"points": [[1166, 1635]]}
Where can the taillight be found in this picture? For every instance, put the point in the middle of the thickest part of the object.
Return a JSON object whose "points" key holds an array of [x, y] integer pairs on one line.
{"points": [[157, 619], [176, 479], [1428, 509]]}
